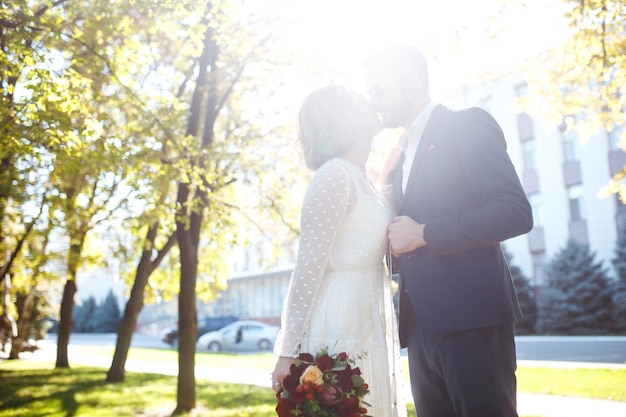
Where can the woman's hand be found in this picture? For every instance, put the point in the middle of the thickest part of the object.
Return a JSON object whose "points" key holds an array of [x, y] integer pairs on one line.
{"points": [[281, 370], [393, 159]]}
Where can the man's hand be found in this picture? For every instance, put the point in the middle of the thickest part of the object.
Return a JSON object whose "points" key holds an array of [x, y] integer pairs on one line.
{"points": [[405, 235]]}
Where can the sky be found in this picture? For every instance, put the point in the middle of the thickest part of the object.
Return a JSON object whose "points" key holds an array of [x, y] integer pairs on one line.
{"points": [[461, 38]]}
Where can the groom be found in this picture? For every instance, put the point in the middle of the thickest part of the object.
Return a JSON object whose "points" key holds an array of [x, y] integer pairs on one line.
{"points": [[457, 196]]}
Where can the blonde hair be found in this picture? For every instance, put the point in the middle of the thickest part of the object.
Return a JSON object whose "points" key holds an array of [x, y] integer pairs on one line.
{"points": [[327, 124]]}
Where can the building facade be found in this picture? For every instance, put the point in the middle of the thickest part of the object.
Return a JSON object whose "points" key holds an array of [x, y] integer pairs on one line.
{"points": [[561, 175], [254, 295]]}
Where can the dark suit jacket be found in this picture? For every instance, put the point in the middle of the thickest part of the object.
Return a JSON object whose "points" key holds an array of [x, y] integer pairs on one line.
{"points": [[464, 188]]}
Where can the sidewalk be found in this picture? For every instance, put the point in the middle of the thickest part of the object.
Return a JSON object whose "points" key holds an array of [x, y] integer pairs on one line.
{"points": [[528, 404]]}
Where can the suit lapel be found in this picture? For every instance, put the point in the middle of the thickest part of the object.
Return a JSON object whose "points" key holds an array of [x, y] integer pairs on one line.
{"points": [[429, 136], [396, 183]]}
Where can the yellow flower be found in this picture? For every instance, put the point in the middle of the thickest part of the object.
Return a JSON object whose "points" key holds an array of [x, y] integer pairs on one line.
{"points": [[313, 374]]}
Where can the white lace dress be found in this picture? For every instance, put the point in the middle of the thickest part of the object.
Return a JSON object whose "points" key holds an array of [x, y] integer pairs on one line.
{"points": [[339, 295]]}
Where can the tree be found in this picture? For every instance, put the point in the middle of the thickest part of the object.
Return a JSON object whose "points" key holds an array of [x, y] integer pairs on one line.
{"points": [[84, 315], [586, 76], [577, 299], [218, 131], [525, 296], [147, 264], [109, 92], [619, 293], [32, 290], [31, 99], [107, 316]]}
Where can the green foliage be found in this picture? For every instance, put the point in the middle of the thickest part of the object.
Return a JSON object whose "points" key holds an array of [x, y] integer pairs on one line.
{"points": [[91, 317], [95, 99], [83, 320], [586, 76], [619, 259], [108, 315], [619, 291], [525, 296], [577, 299]]}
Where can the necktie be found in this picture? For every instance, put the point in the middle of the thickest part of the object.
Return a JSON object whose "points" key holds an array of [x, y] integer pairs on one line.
{"points": [[412, 144]]}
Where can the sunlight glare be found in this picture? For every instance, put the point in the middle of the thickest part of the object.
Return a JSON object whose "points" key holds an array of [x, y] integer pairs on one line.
{"points": [[461, 38]]}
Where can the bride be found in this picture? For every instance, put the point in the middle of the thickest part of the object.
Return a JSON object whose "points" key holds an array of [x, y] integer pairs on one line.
{"points": [[339, 296]]}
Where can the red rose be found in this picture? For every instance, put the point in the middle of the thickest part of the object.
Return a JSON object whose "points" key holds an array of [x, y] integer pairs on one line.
{"points": [[345, 377], [343, 356], [330, 395], [349, 408], [291, 382], [284, 408], [306, 357], [324, 363]]}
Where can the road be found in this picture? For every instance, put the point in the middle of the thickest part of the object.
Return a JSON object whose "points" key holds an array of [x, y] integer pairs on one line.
{"points": [[586, 349]]}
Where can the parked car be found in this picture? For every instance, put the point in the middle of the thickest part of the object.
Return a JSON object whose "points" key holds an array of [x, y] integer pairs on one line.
{"points": [[240, 335], [205, 325]]}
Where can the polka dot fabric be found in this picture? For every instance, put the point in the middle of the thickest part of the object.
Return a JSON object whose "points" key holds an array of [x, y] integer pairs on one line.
{"points": [[325, 204], [339, 295]]}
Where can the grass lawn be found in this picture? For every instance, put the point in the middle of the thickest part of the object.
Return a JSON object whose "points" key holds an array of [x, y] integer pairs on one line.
{"points": [[31, 388]]}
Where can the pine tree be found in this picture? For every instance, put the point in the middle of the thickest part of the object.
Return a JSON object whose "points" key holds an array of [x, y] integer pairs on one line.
{"points": [[83, 316], [578, 297], [525, 297], [108, 315], [619, 293]]}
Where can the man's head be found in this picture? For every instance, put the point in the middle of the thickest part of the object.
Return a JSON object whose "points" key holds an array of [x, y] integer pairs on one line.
{"points": [[397, 83]]}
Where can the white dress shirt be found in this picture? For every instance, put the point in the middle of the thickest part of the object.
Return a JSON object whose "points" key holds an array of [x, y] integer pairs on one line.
{"points": [[415, 135]]}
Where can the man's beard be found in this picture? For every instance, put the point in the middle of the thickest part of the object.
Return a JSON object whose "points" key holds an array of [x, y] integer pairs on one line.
{"points": [[397, 115]]}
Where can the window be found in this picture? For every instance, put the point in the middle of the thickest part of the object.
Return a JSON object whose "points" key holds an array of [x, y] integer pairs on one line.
{"points": [[521, 90], [529, 155], [621, 207], [539, 265], [571, 141], [571, 146], [614, 137], [524, 121], [535, 203], [576, 203], [525, 127], [487, 104]]}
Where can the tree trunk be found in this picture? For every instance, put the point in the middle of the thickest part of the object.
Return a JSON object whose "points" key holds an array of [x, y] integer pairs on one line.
{"points": [[127, 324], [188, 225], [25, 303], [187, 320], [135, 303], [65, 323], [77, 235]]}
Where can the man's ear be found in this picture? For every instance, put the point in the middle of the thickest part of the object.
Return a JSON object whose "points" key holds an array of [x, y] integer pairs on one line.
{"points": [[414, 84], [416, 89]]}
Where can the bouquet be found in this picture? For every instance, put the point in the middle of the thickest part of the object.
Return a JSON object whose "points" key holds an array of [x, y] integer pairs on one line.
{"points": [[323, 386]]}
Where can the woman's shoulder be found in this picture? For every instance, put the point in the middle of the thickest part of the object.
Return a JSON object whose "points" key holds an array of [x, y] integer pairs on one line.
{"points": [[331, 174], [334, 167]]}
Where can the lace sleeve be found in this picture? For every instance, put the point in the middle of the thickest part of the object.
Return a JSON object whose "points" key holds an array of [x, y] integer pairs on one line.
{"points": [[325, 204]]}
